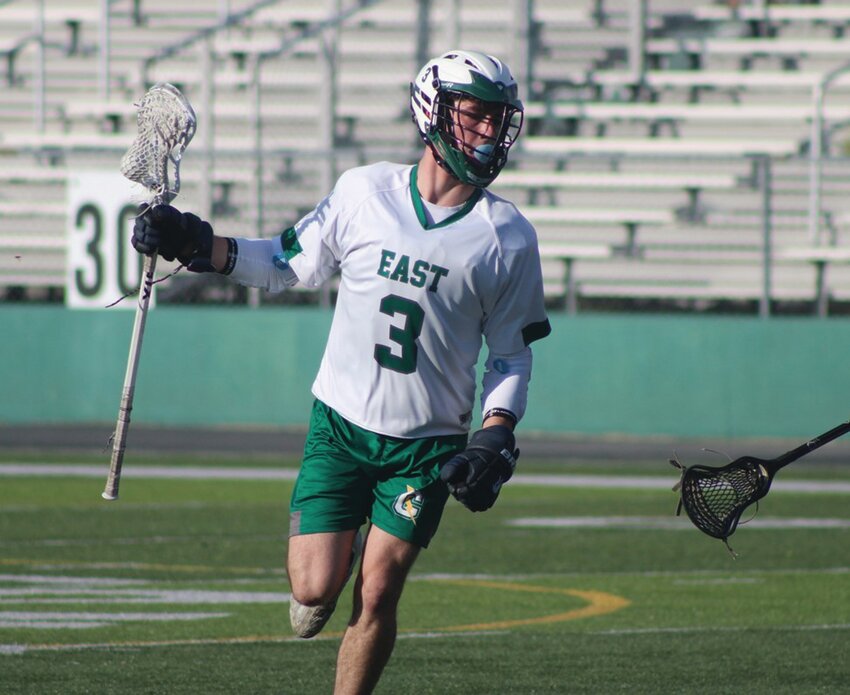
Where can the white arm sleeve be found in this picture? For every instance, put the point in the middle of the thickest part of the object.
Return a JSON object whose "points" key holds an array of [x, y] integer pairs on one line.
{"points": [[261, 263], [505, 383]]}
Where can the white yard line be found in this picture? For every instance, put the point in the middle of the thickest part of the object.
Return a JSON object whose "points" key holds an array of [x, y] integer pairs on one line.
{"points": [[703, 629], [632, 482], [672, 523], [160, 472], [77, 595], [228, 473], [38, 620], [18, 649]]}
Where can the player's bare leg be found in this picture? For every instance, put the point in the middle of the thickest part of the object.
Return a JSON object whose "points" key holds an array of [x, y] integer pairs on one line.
{"points": [[370, 637], [318, 566]]}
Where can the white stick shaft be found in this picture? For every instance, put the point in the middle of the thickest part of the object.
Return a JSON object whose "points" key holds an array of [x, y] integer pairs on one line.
{"points": [[119, 441]]}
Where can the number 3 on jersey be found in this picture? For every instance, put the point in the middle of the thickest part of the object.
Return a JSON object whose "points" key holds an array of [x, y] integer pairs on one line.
{"points": [[405, 337]]}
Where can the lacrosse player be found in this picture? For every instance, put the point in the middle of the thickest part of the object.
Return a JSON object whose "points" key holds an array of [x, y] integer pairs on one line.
{"points": [[431, 264]]}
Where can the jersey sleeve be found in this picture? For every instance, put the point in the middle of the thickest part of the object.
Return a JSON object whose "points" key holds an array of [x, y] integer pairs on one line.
{"points": [[308, 252], [253, 263], [516, 316], [314, 246], [505, 383]]}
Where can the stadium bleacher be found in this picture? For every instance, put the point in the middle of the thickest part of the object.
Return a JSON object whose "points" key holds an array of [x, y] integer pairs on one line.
{"points": [[647, 185]]}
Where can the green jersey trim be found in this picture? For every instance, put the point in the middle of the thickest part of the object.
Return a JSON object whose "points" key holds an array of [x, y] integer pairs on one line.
{"points": [[419, 206], [289, 243]]}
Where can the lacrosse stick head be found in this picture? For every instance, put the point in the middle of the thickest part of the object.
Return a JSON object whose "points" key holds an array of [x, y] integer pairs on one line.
{"points": [[715, 497], [166, 125]]}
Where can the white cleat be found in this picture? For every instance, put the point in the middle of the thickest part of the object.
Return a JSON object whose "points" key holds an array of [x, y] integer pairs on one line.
{"points": [[308, 621]]}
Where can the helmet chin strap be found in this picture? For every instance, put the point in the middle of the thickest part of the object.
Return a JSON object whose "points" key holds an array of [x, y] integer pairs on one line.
{"points": [[443, 164]]}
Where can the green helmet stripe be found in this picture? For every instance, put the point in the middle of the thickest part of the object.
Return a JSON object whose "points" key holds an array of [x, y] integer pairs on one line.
{"points": [[482, 88]]}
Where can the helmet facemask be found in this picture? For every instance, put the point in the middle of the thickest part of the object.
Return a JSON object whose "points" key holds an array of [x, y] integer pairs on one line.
{"points": [[470, 137], [467, 110]]}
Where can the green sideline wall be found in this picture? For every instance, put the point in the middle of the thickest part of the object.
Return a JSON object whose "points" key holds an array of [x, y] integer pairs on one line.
{"points": [[596, 374]]}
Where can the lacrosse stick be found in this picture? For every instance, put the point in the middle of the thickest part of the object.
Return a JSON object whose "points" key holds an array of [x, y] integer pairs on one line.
{"points": [[715, 497], [166, 124]]}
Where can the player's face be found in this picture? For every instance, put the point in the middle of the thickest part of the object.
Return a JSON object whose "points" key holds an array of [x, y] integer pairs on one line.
{"points": [[477, 124]]}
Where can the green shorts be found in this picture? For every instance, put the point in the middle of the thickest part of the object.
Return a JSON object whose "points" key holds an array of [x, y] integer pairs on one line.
{"points": [[349, 475]]}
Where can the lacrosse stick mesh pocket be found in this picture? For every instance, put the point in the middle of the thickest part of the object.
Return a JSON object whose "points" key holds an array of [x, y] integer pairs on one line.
{"points": [[715, 498], [166, 124]]}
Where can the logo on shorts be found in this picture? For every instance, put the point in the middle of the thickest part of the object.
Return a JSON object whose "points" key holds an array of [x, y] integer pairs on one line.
{"points": [[408, 504]]}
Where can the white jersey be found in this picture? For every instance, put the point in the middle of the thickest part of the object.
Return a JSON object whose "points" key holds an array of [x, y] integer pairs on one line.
{"points": [[415, 298]]}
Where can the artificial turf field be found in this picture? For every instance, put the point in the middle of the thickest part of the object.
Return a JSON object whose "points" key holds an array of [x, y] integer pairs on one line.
{"points": [[568, 585]]}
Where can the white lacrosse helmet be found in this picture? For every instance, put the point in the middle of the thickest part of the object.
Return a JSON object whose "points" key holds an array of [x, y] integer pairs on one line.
{"points": [[435, 96]]}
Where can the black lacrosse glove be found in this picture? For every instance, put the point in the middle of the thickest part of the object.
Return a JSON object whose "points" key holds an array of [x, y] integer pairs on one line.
{"points": [[476, 475], [165, 230]]}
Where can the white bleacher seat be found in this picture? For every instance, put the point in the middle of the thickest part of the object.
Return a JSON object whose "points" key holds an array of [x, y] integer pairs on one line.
{"points": [[567, 255], [690, 290], [631, 220], [123, 111], [119, 142], [813, 254], [820, 258], [614, 180], [281, 79], [32, 278], [748, 47], [39, 242], [536, 182], [25, 14], [575, 251], [60, 141], [768, 80], [575, 215], [555, 146], [44, 174], [785, 51], [660, 112], [25, 208], [404, 15], [829, 13], [126, 111], [757, 81]]}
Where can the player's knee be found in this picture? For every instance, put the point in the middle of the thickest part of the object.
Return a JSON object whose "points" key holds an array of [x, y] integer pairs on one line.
{"points": [[314, 593], [316, 587], [380, 595]]}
